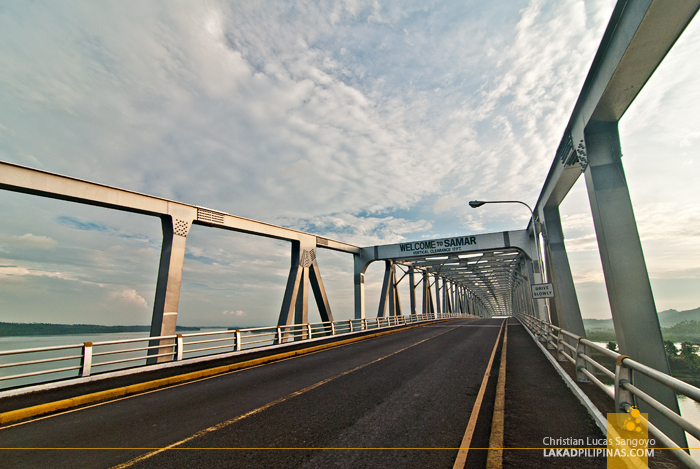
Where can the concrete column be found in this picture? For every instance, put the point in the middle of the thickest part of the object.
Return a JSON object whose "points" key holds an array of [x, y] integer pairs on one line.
{"points": [[360, 267], [294, 280], [626, 278], [437, 294], [324, 308], [426, 293], [303, 273], [565, 299], [387, 291], [412, 288], [167, 298], [536, 306], [552, 304]]}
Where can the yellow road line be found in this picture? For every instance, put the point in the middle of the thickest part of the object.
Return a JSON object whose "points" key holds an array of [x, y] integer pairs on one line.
{"points": [[471, 426], [266, 406], [494, 460], [41, 409]]}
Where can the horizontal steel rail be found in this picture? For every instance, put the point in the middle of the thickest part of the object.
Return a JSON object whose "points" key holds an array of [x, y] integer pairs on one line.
{"points": [[542, 329], [188, 344]]}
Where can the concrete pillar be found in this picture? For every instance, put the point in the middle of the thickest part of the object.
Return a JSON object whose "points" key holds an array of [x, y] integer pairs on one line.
{"points": [[426, 293], [537, 309], [552, 304], [626, 278], [386, 289], [437, 294], [304, 273], [565, 299], [412, 288], [167, 298], [360, 267]]}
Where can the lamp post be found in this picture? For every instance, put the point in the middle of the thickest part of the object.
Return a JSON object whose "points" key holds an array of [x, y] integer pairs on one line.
{"points": [[479, 203]]}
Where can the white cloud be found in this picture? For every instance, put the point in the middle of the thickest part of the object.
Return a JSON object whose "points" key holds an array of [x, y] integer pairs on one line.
{"points": [[237, 313], [130, 297], [365, 122], [10, 272], [28, 241]]}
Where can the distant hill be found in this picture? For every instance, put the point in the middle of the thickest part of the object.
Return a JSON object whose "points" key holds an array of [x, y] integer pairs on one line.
{"points": [[668, 318], [10, 329]]}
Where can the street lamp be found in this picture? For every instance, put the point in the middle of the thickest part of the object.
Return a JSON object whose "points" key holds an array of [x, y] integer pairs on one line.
{"points": [[479, 203]]}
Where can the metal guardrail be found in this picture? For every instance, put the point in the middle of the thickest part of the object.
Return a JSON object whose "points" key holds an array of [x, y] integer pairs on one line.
{"points": [[89, 357], [625, 394]]}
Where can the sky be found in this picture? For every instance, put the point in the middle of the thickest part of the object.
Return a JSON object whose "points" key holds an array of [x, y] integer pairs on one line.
{"points": [[362, 121]]}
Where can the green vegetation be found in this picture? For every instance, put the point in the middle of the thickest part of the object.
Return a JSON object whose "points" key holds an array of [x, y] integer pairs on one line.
{"points": [[684, 363], [684, 331], [10, 329]]}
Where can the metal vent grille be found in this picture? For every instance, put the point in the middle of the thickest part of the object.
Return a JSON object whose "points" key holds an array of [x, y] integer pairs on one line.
{"points": [[209, 216], [565, 152], [181, 227], [307, 258]]}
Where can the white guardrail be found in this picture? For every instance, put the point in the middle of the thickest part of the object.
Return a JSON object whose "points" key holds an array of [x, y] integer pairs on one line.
{"points": [[81, 360], [624, 393]]}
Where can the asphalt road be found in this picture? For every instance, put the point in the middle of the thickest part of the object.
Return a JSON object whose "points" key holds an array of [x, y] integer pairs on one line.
{"points": [[401, 400]]}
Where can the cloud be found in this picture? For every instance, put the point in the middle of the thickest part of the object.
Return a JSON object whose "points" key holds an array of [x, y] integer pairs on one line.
{"points": [[130, 297], [447, 203], [360, 121], [237, 313], [28, 241], [363, 230], [584, 243], [10, 272]]}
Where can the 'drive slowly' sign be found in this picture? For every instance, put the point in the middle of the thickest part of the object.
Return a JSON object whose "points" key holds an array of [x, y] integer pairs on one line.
{"points": [[542, 290]]}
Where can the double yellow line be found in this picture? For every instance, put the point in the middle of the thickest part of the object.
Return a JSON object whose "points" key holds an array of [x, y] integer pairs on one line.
{"points": [[494, 458]]}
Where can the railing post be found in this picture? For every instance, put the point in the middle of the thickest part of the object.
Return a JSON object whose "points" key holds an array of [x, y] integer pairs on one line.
{"points": [[364, 324], [560, 346], [332, 328], [86, 361], [350, 324], [279, 335], [238, 340], [179, 346], [581, 350], [549, 344], [308, 328], [623, 375], [543, 332]]}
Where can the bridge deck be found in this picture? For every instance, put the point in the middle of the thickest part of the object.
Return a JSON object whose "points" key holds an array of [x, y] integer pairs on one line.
{"points": [[401, 400]]}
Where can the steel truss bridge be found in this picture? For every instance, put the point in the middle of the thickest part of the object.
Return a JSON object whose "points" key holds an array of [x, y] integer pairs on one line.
{"points": [[476, 275]]}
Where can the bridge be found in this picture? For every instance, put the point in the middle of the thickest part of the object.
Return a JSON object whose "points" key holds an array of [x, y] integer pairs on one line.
{"points": [[486, 366]]}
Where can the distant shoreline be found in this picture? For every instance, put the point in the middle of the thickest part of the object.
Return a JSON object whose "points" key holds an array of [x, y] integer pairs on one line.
{"points": [[16, 329]]}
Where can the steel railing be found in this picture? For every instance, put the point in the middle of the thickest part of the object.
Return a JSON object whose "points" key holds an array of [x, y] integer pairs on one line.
{"points": [[82, 360], [624, 393]]}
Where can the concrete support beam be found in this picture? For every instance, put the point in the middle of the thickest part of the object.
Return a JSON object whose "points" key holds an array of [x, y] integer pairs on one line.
{"points": [[324, 307], [568, 312], [387, 291], [362, 260], [167, 296], [412, 288], [438, 306], [626, 278], [304, 273]]}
